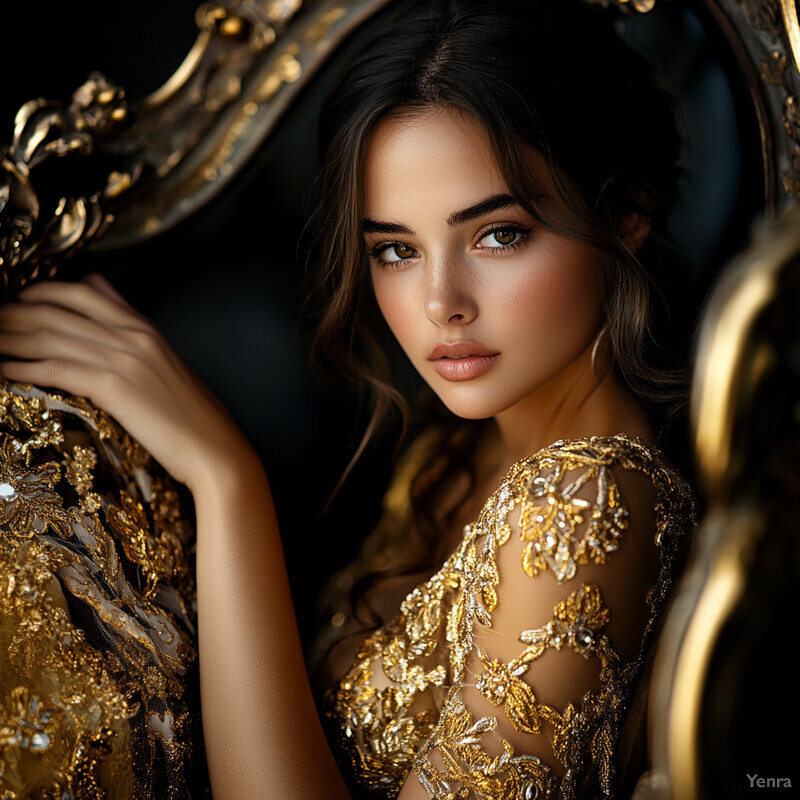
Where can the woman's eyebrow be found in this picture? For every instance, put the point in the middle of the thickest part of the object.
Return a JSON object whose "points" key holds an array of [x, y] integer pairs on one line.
{"points": [[494, 203], [373, 226]]}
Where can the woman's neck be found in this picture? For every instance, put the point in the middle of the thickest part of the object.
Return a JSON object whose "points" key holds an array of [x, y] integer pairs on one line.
{"points": [[582, 400]]}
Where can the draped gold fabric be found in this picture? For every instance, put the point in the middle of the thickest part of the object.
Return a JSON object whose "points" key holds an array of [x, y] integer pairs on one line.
{"points": [[97, 631]]}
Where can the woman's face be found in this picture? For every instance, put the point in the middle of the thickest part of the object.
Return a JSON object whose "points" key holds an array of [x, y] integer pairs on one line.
{"points": [[491, 309]]}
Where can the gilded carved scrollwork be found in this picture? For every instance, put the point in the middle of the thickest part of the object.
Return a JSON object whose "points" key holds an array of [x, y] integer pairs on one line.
{"points": [[776, 17], [35, 233], [172, 151], [775, 26]]}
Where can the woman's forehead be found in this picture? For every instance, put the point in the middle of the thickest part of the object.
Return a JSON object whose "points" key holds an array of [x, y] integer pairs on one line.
{"points": [[426, 156], [436, 160]]}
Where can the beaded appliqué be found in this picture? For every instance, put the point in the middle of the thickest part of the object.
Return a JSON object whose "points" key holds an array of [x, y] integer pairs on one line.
{"points": [[552, 517]]}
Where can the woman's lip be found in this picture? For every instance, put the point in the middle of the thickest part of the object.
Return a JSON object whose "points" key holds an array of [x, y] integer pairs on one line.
{"points": [[464, 369], [462, 349]]}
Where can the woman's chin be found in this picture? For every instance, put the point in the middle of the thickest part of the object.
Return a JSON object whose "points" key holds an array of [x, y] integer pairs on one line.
{"points": [[472, 408]]}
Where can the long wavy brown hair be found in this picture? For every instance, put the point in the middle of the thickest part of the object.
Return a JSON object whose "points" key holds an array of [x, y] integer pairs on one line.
{"points": [[544, 75]]}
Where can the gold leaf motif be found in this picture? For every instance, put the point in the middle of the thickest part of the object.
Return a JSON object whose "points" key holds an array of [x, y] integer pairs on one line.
{"points": [[773, 68], [765, 15], [79, 466], [791, 117], [502, 688], [584, 606]]}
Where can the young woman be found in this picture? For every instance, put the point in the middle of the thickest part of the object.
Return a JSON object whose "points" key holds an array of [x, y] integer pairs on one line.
{"points": [[495, 184]]}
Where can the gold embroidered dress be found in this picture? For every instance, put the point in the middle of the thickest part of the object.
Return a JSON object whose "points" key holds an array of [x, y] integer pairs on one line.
{"points": [[97, 635], [510, 672]]}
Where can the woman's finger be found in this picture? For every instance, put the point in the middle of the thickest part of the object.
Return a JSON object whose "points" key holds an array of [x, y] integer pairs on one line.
{"points": [[83, 298], [43, 332], [101, 283], [81, 379], [31, 317], [45, 343]]}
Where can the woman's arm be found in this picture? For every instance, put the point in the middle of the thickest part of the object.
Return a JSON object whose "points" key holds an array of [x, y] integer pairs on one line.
{"points": [[263, 735]]}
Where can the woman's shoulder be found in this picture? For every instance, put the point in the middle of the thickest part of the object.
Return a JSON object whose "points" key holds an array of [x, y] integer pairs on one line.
{"points": [[573, 501]]}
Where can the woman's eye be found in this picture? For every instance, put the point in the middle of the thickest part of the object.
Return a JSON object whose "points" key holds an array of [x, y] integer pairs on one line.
{"points": [[402, 251], [393, 253], [503, 237]]}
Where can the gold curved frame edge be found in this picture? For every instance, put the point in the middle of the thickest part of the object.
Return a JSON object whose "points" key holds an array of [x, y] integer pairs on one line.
{"points": [[746, 62], [206, 172], [180, 154], [719, 376], [152, 148], [741, 296], [730, 364], [790, 18], [719, 586], [181, 76]]}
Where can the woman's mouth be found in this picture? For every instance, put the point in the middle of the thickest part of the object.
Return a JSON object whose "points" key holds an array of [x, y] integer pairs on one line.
{"points": [[462, 360]]}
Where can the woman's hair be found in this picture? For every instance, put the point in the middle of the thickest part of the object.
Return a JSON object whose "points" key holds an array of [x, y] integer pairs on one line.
{"points": [[544, 75], [548, 75]]}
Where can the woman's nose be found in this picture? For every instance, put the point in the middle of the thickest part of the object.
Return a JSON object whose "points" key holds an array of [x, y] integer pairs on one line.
{"points": [[449, 299]]}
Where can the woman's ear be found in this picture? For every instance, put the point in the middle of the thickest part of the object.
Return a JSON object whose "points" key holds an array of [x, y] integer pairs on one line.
{"points": [[634, 230]]}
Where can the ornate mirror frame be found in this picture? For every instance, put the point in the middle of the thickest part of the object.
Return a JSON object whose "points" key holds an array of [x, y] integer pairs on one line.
{"points": [[149, 165]]}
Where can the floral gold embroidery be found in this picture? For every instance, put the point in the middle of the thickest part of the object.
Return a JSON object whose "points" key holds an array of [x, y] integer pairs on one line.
{"points": [[552, 515], [28, 503], [28, 723], [500, 683], [468, 768]]}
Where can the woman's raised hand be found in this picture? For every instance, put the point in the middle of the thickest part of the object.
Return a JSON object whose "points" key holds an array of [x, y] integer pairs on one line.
{"points": [[85, 338]]}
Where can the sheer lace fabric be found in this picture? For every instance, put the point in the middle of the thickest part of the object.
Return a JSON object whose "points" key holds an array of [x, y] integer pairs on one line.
{"points": [[96, 611], [509, 673]]}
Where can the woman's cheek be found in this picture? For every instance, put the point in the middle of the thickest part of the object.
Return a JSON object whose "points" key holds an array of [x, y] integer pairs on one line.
{"points": [[534, 301], [396, 303], [567, 292]]}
